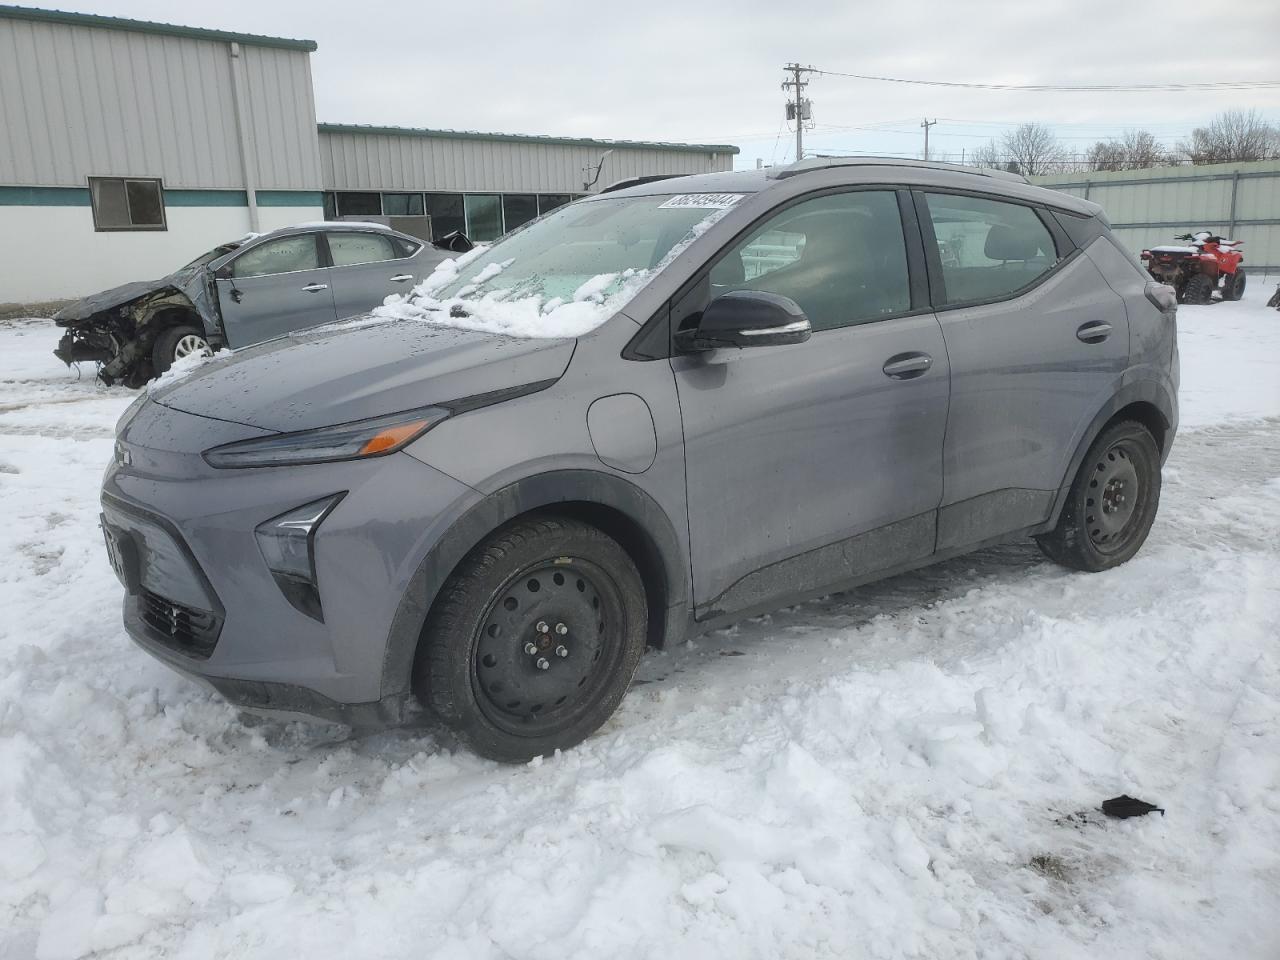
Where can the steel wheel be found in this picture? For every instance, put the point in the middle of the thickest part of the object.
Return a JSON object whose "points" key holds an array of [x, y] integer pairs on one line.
{"points": [[1112, 501], [534, 639], [545, 647], [189, 344], [1115, 494]]}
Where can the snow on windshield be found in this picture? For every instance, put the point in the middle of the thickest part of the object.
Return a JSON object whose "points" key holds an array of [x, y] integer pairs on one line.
{"points": [[563, 275]]}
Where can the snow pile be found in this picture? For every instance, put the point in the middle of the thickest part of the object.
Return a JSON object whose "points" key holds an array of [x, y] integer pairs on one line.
{"points": [[909, 770], [533, 316]]}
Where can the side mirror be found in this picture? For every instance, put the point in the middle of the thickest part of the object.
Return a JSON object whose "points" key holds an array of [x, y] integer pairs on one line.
{"points": [[747, 318]]}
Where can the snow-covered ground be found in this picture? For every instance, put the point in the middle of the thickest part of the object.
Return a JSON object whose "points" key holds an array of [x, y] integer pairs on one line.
{"points": [[910, 770]]}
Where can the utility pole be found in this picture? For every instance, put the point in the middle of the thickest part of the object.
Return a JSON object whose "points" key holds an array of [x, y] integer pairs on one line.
{"points": [[927, 124], [798, 108]]}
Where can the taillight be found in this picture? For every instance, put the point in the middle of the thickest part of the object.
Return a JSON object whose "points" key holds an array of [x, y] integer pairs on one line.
{"points": [[1145, 255]]}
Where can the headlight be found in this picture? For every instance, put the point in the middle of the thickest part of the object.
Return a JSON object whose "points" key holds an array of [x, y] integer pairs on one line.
{"points": [[375, 437]]}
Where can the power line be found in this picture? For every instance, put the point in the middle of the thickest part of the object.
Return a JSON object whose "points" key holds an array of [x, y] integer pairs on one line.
{"points": [[1068, 87]]}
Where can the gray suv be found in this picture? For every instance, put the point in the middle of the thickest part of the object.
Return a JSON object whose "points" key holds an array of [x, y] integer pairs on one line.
{"points": [[803, 379]]}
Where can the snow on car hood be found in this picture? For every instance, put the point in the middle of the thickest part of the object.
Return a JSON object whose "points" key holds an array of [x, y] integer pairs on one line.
{"points": [[344, 372]]}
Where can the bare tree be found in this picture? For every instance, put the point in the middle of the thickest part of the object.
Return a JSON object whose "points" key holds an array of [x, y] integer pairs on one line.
{"points": [[1136, 150], [1034, 149], [1232, 136], [988, 155], [1142, 150], [1106, 155]]}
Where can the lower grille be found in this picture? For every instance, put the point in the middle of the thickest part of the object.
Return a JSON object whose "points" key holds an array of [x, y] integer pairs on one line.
{"points": [[187, 630]]}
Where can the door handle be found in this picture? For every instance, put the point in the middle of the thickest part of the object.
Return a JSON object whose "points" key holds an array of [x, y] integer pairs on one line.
{"points": [[906, 366], [401, 278], [315, 287], [1094, 332]]}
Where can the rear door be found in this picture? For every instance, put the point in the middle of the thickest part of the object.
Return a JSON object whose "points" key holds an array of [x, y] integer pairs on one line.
{"points": [[815, 463], [367, 266], [272, 288], [1037, 341]]}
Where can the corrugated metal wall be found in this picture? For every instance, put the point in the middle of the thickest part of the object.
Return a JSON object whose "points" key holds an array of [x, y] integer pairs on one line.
{"points": [[1148, 207], [76, 101], [372, 161]]}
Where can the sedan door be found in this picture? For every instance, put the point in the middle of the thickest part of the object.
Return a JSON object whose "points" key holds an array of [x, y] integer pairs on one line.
{"points": [[273, 288], [814, 464], [1038, 342], [367, 267]]}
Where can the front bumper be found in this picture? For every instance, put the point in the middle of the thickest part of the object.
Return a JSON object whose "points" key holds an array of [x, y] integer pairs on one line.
{"points": [[202, 599]]}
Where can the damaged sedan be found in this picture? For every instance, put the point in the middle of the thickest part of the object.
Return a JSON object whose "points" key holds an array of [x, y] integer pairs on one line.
{"points": [[248, 291]]}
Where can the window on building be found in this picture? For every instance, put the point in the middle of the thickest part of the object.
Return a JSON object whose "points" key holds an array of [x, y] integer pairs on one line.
{"points": [[518, 209], [402, 204], [988, 249], [121, 203], [840, 257], [484, 216], [331, 206], [549, 201], [359, 205], [347, 249], [285, 255], [446, 213]]}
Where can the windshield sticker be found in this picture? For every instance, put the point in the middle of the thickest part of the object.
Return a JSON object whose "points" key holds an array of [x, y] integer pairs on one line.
{"points": [[703, 201]]}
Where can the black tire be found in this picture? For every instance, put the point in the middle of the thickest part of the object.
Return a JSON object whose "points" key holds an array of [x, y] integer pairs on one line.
{"points": [[1233, 285], [1112, 502], [534, 639], [173, 342], [1199, 289]]}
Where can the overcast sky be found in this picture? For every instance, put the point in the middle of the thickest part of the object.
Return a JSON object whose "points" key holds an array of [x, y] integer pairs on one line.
{"points": [[710, 72]]}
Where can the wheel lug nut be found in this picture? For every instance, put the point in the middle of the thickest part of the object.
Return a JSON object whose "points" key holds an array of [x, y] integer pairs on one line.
{"points": [[542, 626], [544, 663], [562, 651], [531, 648], [561, 629]]}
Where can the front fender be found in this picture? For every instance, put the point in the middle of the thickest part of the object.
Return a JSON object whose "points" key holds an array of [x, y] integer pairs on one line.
{"points": [[544, 490]]}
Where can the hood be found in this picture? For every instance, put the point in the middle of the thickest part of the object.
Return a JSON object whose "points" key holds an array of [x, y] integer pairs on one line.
{"points": [[107, 299], [335, 374]]}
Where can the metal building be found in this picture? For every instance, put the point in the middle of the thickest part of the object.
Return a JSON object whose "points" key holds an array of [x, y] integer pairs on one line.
{"points": [[128, 148], [1148, 207], [485, 183]]}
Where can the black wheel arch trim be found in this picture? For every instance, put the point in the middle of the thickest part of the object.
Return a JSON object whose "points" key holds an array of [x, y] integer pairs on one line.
{"points": [[523, 496], [1142, 391]]}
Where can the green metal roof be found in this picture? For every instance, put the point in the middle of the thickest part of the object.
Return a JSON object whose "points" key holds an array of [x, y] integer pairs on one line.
{"points": [[359, 128], [9, 12]]}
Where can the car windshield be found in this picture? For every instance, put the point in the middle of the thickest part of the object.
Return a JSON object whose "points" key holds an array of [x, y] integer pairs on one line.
{"points": [[567, 272], [210, 256]]}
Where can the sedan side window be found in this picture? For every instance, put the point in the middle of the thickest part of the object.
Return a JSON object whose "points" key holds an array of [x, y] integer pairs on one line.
{"points": [[348, 249], [841, 257], [285, 255], [988, 249]]}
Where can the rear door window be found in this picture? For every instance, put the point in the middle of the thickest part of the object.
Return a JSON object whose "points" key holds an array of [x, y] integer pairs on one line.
{"points": [[348, 249], [285, 255], [989, 249]]}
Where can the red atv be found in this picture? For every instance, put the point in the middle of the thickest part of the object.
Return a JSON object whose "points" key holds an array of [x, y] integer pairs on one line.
{"points": [[1197, 269]]}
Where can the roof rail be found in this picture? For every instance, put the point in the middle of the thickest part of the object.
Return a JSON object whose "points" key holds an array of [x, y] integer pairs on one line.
{"points": [[811, 164]]}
